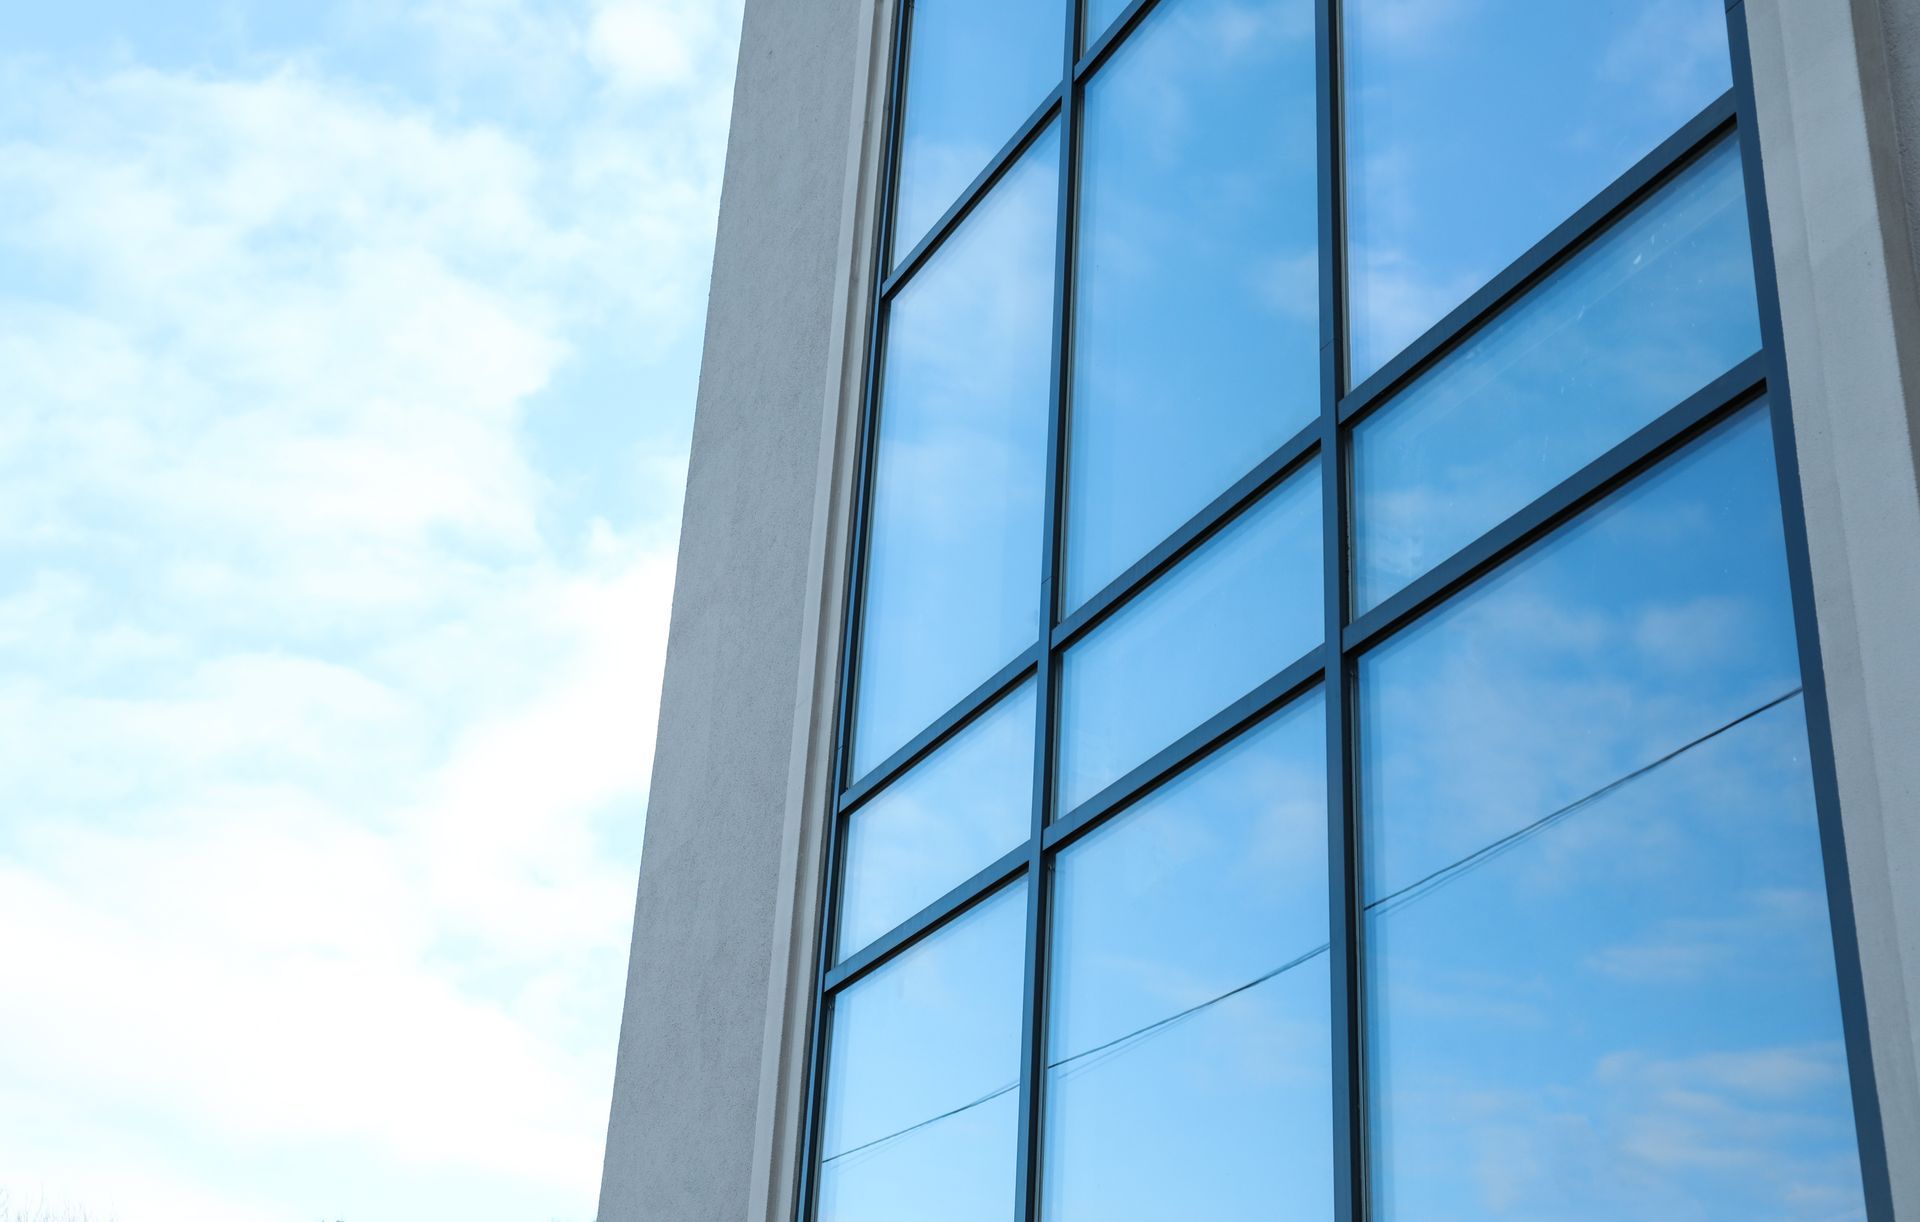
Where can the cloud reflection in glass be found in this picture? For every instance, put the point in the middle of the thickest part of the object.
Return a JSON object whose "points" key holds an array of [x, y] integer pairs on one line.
{"points": [[953, 562], [975, 70], [1627, 1008], [1652, 311], [1476, 126], [921, 1107], [1233, 613], [1196, 316], [1178, 1087]]}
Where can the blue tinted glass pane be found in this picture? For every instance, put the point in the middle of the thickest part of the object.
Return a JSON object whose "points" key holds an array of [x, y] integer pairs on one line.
{"points": [[1657, 308], [1196, 323], [1600, 966], [975, 70], [953, 561], [1236, 612], [955, 813], [923, 1075], [1188, 1051], [1474, 128]]}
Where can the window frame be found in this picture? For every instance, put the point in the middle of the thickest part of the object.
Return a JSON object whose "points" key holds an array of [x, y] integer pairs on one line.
{"points": [[1332, 665]]}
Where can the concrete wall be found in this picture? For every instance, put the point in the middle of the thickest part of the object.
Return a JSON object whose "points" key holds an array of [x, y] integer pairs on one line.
{"points": [[688, 1129], [1837, 88]]}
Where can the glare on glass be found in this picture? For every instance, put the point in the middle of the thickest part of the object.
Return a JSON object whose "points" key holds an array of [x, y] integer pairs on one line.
{"points": [[1600, 969], [1189, 1057], [1196, 318], [953, 814], [952, 590], [1474, 129], [1655, 309], [922, 1078], [975, 70], [1238, 610]]}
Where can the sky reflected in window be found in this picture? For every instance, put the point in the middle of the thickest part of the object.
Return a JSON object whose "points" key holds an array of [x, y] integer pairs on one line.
{"points": [[975, 70], [1189, 1054], [1235, 612], [1654, 310], [1476, 126], [921, 1095], [953, 814], [1196, 317], [953, 562], [1601, 972]]}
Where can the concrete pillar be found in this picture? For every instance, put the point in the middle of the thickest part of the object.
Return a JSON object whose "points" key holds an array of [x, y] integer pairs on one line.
{"points": [[701, 1077], [1837, 91]]}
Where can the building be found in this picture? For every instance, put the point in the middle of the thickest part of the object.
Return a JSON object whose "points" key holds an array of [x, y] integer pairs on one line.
{"points": [[1373, 555]]}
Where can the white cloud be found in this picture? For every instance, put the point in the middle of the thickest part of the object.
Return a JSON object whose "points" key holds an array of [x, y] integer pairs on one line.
{"points": [[324, 730], [653, 44]]}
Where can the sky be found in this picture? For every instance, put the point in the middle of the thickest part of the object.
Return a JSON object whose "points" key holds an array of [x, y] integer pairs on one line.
{"points": [[347, 358]]}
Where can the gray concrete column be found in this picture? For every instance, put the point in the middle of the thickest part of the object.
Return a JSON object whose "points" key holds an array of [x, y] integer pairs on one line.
{"points": [[1836, 111], [756, 594]]}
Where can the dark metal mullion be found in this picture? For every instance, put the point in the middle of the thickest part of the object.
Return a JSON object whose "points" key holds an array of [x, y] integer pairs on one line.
{"points": [[949, 724], [1273, 470], [1345, 970], [826, 897], [996, 169], [1033, 1037], [1567, 238], [933, 916], [1870, 1133], [1558, 504], [1181, 754]]}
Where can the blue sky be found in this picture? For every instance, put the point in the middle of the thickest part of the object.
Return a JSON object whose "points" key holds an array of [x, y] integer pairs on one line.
{"points": [[348, 353]]}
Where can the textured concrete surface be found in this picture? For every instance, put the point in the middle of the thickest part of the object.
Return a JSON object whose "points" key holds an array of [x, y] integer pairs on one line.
{"points": [[1890, 71], [1838, 96], [1899, 22], [681, 1136]]}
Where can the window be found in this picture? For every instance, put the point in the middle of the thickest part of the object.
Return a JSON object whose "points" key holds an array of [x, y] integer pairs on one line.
{"points": [[1186, 1073], [966, 804], [1593, 891], [1196, 321], [953, 556], [1473, 129], [920, 1105], [979, 68], [1659, 306], [1231, 613], [1324, 731]]}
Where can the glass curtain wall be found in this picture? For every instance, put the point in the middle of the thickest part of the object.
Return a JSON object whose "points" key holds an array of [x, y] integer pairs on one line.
{"points": [[1323, 729]]}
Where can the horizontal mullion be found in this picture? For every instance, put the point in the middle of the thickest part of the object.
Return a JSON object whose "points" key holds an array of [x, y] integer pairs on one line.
{"points": [[1116, 33], [1273, 470], [950, 723], [905, 934], [1001, 162], [1731, 390], [1189, 748], [1619, 198]]}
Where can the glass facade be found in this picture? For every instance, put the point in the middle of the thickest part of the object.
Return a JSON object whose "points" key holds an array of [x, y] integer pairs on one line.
{"points": [[1323, 730]]}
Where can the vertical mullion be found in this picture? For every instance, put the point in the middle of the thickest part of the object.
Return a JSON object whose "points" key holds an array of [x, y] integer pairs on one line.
{"points": [[1349, 1092], [866, 443], [1869, 1133], [1033, 1065]]}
